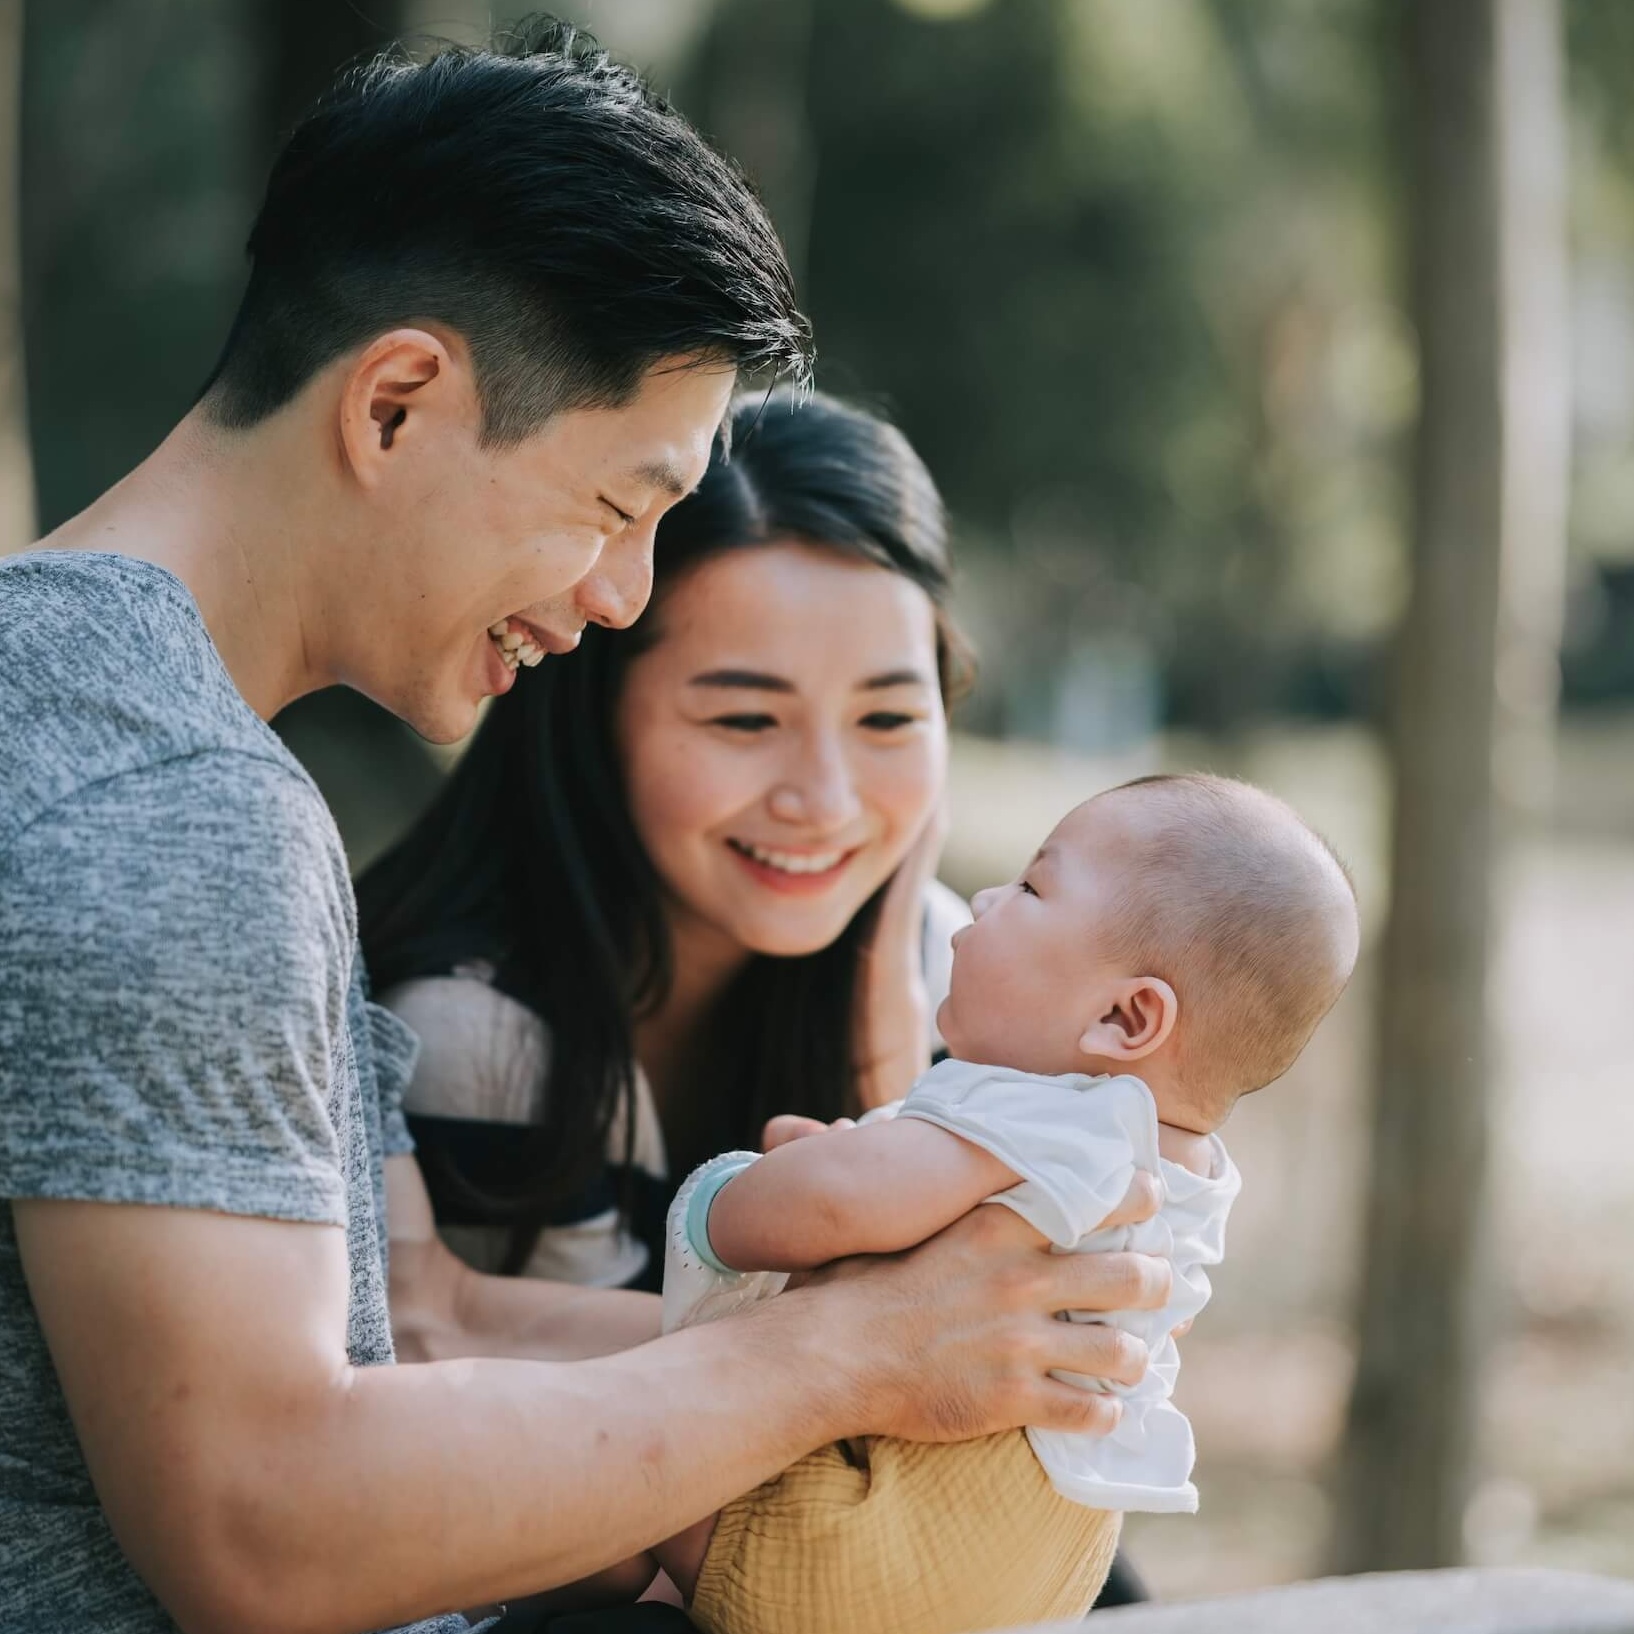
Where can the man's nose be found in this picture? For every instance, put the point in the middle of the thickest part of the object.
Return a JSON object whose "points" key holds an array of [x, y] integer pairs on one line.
{"points": [[616, 590]]}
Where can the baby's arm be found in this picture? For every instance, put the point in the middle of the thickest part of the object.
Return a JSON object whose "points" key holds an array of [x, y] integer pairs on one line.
{"points": [[872, 1190]]}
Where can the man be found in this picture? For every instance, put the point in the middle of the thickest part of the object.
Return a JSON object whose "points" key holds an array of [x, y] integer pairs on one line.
{"points": [[496, 310]]}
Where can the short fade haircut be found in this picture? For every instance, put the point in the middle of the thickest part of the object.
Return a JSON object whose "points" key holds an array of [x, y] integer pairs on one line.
{"points": [[541, 201], [1248, 913]]}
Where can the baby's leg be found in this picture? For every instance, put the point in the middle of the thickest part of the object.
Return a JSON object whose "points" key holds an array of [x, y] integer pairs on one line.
{"points": [[918, 1540]]}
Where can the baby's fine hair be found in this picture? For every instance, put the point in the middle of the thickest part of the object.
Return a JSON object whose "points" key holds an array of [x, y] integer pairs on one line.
{"points": [[1250, 916]]}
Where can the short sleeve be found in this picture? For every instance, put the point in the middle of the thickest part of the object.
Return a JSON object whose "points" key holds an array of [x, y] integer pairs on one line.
{"points": [[1074, 1141], [175, 946], [483, 1055]]}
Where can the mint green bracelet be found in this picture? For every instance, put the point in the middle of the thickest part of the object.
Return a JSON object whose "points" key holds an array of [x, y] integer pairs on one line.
{"points": [[698, 1207]]}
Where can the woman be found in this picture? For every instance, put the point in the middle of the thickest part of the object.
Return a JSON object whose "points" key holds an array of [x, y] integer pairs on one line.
{"points": [[727, 817]]}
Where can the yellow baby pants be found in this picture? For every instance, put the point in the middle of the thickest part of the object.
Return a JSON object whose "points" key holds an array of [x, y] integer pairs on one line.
{"points": [[925, 1540]]}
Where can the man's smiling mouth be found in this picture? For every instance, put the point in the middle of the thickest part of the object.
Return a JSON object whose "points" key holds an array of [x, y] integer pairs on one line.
{"points": [[515, 646], [521, 643]]}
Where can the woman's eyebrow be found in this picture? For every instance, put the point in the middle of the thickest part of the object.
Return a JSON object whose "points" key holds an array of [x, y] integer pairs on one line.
{"points": [[894, 678], [743, 680]]}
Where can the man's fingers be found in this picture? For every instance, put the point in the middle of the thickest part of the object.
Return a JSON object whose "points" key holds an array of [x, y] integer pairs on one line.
{"points": [[1066, 1407], [1143, 1199], [1108, 1282], [1096, 1351]]}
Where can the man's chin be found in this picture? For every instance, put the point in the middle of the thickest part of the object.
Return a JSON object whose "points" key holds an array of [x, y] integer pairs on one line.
{"points": [[441, 721]]}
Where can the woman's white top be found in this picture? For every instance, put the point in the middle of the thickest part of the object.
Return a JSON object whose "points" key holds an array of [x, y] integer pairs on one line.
{"points": [[485, 1056], [1076, 1142]]}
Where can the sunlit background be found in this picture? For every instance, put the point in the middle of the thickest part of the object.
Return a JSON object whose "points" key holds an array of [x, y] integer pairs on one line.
{"points": [[1133, 275]]}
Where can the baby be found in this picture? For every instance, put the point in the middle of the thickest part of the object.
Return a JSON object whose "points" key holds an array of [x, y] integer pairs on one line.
{"points": [[1170, 948]]}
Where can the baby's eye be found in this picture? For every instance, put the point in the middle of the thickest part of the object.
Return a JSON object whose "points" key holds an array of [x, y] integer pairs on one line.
{"points": [[1027, 889], [744, 723]]}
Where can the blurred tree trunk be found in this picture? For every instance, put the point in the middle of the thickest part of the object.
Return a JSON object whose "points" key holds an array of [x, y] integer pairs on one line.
{"points": [[16, 467], [1487, 262]]}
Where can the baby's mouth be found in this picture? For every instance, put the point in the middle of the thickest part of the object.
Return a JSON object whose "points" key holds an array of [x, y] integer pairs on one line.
{"points": [[790, 862], [515, 644]]}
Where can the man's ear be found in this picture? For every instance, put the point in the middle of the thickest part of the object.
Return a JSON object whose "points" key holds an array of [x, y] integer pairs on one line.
{"points": [[398, 385], [1137, 1019]]}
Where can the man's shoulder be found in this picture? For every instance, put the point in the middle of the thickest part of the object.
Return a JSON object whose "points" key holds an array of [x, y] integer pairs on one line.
{"points": [[110, 687]]}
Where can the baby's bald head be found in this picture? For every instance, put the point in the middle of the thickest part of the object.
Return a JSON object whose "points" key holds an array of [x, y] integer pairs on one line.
{"points": [[1229, 896]]}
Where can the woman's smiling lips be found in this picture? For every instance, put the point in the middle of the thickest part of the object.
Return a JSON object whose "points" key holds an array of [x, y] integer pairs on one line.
{"points": [[796, 873]]}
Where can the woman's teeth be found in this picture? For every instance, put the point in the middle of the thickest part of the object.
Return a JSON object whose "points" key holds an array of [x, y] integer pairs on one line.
{"points": [[790, 862], [515, 646]]}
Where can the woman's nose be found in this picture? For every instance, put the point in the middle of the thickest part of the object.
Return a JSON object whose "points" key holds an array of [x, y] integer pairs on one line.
{"points": [[617, 588], [820, 792]]}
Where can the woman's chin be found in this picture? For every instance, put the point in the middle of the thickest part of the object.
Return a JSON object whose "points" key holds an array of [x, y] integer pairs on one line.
{"points": [[784, 940]]}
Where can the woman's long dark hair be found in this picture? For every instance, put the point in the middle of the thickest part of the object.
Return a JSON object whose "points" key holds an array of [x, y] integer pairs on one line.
{"points": [[528, 860]]}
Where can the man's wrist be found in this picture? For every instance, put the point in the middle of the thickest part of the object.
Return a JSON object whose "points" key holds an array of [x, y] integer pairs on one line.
{"points": [[826, 1345]]}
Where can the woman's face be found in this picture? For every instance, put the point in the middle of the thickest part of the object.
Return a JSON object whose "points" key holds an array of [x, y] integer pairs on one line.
{"points": [[783, 741]]}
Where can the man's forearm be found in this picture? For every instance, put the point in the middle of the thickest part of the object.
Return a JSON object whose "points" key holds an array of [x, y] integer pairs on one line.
{"points": [[620, 1453]]}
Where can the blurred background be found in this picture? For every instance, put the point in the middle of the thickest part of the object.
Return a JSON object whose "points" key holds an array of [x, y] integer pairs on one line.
{"points": [[1277, 360]]}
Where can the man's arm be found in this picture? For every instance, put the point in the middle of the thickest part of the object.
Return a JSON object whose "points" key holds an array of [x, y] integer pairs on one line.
{"points": [[259, 1482], [871, 1190], [442, 1309]]}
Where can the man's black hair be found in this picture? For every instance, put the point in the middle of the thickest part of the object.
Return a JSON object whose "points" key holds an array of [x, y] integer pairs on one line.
{"points": [[540, 200]]}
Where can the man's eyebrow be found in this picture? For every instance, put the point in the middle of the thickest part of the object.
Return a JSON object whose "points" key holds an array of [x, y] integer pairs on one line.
{"points": [[894, 678], [662, 475], [743, 680]]}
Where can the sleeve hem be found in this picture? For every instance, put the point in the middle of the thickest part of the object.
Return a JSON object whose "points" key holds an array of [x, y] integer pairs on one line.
{"points": [[305, 1195]]}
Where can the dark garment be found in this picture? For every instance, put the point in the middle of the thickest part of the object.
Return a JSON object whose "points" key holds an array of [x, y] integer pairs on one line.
{"points": [[648, 1619], [1123, 1586], [472, 1164]]}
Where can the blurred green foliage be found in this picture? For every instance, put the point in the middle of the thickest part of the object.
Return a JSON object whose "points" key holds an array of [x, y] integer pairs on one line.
{"points": [[1129, 275]]}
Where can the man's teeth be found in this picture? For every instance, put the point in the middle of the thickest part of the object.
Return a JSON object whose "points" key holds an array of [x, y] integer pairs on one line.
{"points": [[515, 646], [790, 862]]}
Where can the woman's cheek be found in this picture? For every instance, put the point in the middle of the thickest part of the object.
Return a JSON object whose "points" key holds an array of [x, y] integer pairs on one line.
{"points": [[905, 785], [670, 791]]}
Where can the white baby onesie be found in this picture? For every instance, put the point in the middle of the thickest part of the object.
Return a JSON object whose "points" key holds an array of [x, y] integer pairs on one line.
{"points": [[1076, 1142]]}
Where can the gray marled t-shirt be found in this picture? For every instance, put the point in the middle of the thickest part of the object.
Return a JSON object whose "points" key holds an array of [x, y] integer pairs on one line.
{"points": [[181, 1016]]}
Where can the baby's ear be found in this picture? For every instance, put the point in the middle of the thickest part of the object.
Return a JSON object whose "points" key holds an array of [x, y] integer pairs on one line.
{"points": [[1137, 1019]]}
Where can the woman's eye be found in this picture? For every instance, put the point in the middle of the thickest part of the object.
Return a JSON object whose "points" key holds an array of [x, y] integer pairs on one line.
{"points": [[885, 720], [744, 723], [624, 517]]}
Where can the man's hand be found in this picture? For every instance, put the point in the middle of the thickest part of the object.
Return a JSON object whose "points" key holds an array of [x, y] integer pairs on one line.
{"points": [[957, 1338]]}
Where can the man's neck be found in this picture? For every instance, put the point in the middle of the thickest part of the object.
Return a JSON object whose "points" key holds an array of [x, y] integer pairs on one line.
{"points": [[220, 510]]}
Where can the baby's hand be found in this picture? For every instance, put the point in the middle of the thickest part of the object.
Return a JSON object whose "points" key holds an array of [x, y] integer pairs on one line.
{"points": [[779, 1131]]}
